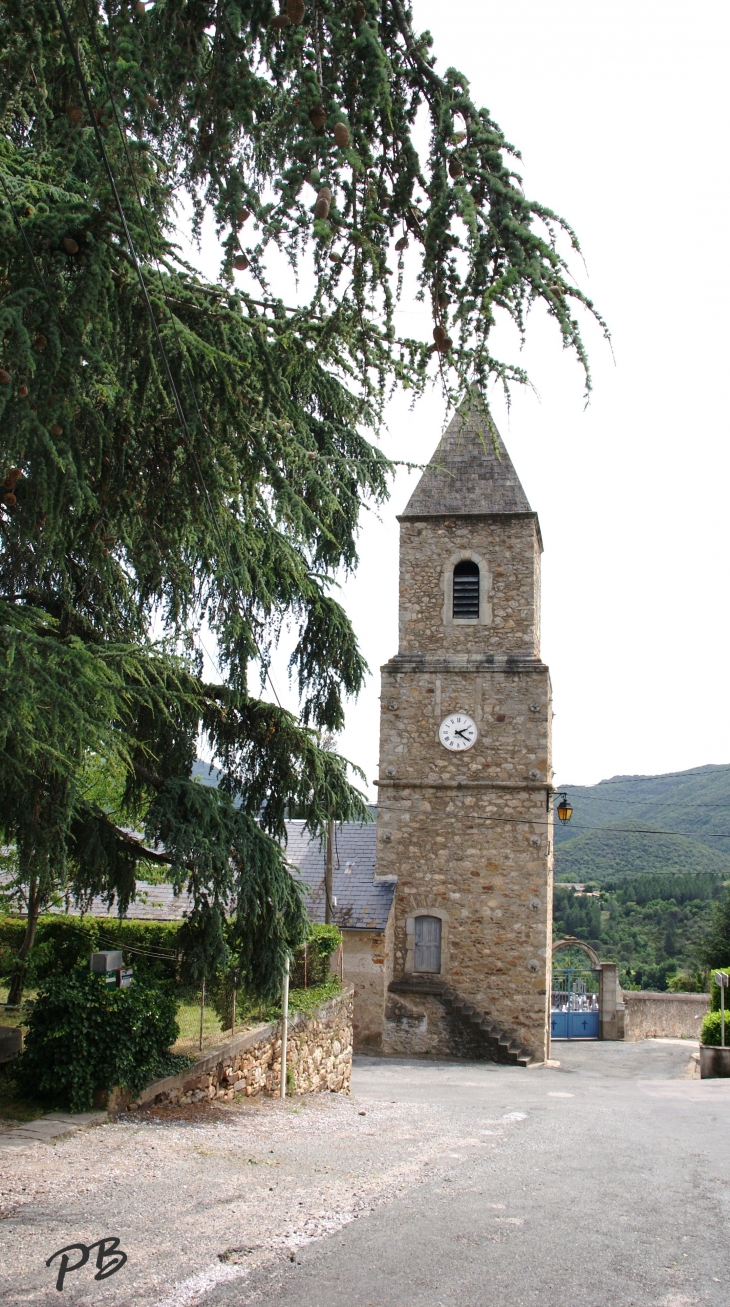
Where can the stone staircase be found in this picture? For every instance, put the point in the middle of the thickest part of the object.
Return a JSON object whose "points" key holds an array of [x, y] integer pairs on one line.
{"points": [[498, 1044]]}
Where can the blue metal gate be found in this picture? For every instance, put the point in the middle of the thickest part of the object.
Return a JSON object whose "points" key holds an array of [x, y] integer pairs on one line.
{"points": [[574, 1003]]}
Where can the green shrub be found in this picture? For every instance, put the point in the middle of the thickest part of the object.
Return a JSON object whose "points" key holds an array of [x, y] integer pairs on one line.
{"points": [[83, 1036], [683, 983], [320, 944], [711, 1028]]}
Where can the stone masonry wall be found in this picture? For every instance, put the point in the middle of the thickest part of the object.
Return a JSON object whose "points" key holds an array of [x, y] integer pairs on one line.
{"points": [[417, 1025], [366, 967], [507, 551], [319, 1056], [668, 1016], [469, 835]]}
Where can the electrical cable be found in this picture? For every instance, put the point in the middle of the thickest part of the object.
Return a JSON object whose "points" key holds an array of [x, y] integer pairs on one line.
{"points": [[617, 830]]}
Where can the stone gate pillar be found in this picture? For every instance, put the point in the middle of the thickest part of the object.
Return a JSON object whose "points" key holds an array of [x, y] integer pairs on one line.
{"points": [[611, 1009]]}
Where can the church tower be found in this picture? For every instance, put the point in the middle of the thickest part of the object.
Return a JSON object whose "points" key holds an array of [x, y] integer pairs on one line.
{"points": [[465, 785]]}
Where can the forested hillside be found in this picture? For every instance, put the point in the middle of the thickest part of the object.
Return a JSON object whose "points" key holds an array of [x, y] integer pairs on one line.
{"points": [[656, 848], [629, 825]]}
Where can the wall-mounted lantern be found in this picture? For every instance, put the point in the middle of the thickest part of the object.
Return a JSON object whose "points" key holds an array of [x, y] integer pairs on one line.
{"points": [[565, 809]]}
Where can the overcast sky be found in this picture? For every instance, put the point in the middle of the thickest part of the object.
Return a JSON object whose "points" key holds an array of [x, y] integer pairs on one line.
{"points": [[621, 115]]}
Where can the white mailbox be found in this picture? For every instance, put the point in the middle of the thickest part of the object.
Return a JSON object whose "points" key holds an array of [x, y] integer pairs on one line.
{"points": [[107, 960]]}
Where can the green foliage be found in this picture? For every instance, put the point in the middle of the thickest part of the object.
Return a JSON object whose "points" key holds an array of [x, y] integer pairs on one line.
{"points": [[711, 1031], [654, 926], [716, 950], [715, 1000], [309, 1000], [576, 915], [82, 1036], [623, 826], [205, 464], [321, 942], [64, 943], [684, 983]]}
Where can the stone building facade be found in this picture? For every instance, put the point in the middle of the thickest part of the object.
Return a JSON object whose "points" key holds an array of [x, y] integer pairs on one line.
{"points": [[445, 902], [465, 827]]}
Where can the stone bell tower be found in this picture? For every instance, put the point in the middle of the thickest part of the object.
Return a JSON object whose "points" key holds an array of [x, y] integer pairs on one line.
{"points": [[464, 801]]}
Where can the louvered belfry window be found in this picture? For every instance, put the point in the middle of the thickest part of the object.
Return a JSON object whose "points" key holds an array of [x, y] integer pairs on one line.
{"points": [[466, 590]]}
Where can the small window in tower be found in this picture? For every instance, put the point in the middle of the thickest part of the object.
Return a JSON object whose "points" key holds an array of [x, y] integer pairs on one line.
{"points": [[466, 590]]}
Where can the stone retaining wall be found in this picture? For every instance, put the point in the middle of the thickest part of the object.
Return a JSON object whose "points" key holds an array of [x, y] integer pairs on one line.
{"points": [[657, 1016], [319, 1057]]}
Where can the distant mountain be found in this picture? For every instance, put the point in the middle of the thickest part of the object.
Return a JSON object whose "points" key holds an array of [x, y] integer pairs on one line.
{"points": [[633, 824]]}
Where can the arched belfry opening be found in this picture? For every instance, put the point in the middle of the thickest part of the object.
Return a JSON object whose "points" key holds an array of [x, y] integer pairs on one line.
{"points": [[466, 590]]}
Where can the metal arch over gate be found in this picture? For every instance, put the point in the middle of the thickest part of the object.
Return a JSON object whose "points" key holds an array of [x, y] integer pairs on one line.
{"points": [[575, 997]]}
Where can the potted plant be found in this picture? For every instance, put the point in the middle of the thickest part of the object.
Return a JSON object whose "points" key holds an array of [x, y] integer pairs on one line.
{"points": [[714, 1052]]}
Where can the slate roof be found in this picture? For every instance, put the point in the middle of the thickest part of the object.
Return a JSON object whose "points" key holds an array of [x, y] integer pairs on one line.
{"points": [[361, 904], [470, 472]]}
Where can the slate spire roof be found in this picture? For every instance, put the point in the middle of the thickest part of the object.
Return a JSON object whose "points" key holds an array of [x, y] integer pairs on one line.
{"points": [[470, 472]]}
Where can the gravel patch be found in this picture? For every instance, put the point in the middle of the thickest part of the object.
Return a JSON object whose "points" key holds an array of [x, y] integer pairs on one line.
{"points": [[203, 1194]]}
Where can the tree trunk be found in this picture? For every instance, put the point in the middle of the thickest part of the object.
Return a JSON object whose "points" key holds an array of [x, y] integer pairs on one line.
{"points": [[17, 983]]}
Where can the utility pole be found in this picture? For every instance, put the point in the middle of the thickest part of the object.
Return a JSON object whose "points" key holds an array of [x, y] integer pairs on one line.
{"points": [[284, 1027], [328, 872]]}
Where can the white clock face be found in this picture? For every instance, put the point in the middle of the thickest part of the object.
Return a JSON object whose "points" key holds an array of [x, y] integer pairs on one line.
{"points": [[458, 731]]}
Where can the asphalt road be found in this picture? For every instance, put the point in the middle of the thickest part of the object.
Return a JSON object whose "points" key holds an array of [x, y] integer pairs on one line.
{"points": [[604, 1183]]}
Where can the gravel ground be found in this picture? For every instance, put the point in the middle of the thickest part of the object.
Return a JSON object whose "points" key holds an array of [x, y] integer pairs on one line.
{"points": [[200, 1195], [549, 1186]]}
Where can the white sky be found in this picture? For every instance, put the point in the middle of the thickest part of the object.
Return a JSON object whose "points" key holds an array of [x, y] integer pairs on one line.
{"points": [[621, 114]]}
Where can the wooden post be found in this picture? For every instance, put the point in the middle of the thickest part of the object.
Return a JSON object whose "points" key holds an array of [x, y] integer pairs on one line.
{"points": [[202, 1012], [233, 1014], [284, 1027]]}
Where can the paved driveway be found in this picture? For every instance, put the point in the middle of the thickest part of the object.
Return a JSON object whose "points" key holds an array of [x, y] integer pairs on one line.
{"points": [[604, 1183]]}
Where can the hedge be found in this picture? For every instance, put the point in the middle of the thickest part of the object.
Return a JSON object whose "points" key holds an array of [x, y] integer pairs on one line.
{"points": [[64, 943]]}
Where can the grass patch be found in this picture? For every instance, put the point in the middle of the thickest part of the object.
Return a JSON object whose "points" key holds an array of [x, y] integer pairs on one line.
{"points": [[188, 1019], [300, 1000]]}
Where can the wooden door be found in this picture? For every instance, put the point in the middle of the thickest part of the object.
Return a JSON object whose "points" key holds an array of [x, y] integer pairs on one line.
{"points": [[427, 953]]}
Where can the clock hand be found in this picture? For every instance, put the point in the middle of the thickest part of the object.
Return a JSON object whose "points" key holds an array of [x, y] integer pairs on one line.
{"points": [[461, 732]]}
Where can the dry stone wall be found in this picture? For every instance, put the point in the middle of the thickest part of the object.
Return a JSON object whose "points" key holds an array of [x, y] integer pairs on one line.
{"points": [[319, 1057]]}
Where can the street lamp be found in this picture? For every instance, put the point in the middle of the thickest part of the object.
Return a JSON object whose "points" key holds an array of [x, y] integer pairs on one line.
{"points": [[565, 809]]}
